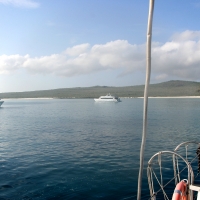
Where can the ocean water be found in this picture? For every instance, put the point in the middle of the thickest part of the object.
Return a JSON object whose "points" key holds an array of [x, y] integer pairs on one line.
{"points": [[81, 149]]}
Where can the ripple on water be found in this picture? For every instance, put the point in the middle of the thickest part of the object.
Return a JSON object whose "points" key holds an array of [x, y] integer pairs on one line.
{"points": [[78, 149]]}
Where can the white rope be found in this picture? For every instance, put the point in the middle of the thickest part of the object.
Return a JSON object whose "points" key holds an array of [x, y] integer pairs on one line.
{"points": [[186, 148], [179, 179], [161, 187], [148, 72], [150, 181], [159, 162], [174, 166]]}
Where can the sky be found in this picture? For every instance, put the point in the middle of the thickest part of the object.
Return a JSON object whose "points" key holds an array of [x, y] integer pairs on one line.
{"points": [[50, 44]]}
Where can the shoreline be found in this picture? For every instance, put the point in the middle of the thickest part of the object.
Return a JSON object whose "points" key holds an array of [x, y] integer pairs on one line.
{"points": [[167, 97], [26, 98], [179, 97]]}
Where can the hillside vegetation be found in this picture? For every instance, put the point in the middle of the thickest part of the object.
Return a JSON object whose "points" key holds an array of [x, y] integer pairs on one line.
{"points": [[170, 88]]}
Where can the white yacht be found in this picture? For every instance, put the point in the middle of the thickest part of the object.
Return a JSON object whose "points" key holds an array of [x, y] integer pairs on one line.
{"points": [[1, 102], [108, 97]]}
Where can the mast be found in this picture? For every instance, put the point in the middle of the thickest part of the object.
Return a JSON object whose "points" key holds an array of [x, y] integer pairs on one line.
{"points": [[145, 106]]}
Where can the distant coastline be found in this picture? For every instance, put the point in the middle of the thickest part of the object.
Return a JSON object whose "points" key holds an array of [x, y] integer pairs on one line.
{"points": [[170, 89], [176, 97], [25, 98]]}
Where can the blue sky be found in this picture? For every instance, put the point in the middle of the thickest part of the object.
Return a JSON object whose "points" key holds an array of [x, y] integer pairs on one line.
{"points": [[49, 44]]}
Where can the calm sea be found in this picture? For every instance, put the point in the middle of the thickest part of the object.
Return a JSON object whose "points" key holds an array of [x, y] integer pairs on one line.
{"points": [[79, 149]]}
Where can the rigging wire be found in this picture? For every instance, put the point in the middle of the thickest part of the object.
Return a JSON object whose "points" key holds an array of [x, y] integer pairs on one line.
{"points": [[178, 174]]}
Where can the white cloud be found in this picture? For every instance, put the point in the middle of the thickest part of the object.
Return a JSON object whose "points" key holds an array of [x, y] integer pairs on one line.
{"points": [[180, 57], [176, 58], [186, 35], [80, 59], [77, 50], [21, 3], [11, 63]]}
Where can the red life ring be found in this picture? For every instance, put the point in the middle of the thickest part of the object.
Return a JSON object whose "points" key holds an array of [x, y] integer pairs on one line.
{"points": [[180, 191]]}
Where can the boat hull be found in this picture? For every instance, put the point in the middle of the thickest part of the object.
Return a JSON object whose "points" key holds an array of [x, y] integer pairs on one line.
{"points": [[107, 100]]}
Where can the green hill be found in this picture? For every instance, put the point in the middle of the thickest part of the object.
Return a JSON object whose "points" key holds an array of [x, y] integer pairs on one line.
{"points": [[170, 88]]}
